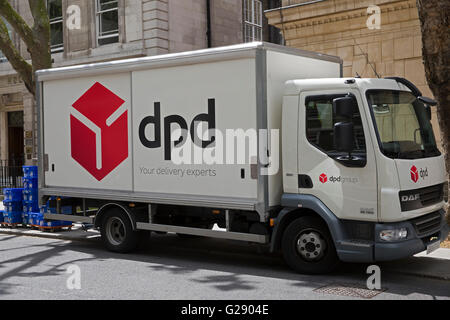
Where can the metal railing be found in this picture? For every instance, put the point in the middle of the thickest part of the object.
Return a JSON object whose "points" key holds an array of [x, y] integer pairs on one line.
{"points": [[11, 174]]}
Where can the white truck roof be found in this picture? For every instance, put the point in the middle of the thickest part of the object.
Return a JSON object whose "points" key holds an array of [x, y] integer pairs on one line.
{"points": [[176, 59], [294, 87]]}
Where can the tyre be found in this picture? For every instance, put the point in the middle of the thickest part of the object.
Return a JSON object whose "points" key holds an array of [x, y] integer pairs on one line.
{"points": [[117, 232], [307, 246]]}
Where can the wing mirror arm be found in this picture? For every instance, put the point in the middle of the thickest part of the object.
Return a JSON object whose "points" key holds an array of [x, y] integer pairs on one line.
{"points": [[344, 132]]}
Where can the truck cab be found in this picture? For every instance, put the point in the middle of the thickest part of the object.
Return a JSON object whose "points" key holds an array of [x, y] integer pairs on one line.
{"points": [[361, 154]]}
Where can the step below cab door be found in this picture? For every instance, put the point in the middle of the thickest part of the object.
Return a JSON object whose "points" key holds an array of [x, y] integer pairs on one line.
{"points": [[348, 189]]}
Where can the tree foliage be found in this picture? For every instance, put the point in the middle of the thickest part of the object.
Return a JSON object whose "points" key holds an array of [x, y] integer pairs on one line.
{"points": [[435, 18], [35, 37]]}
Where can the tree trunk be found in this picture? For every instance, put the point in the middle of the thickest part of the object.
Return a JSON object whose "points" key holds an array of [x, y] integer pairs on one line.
{"points": [[434, 18], [36, 38]]}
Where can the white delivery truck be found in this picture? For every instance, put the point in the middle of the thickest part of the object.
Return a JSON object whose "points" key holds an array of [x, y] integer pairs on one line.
{"points": [[252, 142]]}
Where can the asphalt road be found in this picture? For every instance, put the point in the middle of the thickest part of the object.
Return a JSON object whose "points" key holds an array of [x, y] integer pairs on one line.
{"points": [[174, 268]]}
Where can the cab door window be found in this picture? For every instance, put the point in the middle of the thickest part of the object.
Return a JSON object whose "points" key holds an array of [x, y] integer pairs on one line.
{"points": [[320, 122]]}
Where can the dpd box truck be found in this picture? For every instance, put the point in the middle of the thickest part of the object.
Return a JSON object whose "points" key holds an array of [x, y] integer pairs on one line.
{"points": [[253, 142]]}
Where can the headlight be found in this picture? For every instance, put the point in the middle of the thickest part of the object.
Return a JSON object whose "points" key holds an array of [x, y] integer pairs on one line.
{"points": [[393, 234]]}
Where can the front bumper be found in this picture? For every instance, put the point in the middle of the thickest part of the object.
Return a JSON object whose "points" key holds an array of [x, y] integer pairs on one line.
{"points": [[378, 250]]}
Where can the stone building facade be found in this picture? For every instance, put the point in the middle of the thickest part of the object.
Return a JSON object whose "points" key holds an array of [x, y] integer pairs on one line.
{"points": [[117, 29], [340, 27]]}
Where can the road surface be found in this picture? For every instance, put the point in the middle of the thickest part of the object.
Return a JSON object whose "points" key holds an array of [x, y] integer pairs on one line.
{"points": [[174, 268]]}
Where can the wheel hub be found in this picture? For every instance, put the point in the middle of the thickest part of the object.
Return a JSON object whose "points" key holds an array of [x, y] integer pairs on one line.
{"points": [[311, 245], [115, 231]]}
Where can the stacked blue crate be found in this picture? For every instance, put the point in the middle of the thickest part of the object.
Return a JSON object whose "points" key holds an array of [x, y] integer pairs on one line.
{"points": [[1, 216], [25, 218], [30, 172], [31, 219], [64, 210], [13, 195], [13, 206], [30, 194]]}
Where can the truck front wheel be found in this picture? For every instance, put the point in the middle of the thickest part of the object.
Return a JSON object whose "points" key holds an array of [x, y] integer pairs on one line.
{"points": [[117, 232], [307, 246]]}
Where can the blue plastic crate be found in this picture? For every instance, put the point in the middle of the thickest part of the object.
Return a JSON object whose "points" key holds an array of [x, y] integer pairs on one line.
{"points": [[12, 206], [31, 195], [13, 194], [33, 218], [25, 218], [64, 210], [30, 206], [30, 183], [30, 171], [27, 209], [13, 217], [49, 223], [2, 219], [39, 218]]}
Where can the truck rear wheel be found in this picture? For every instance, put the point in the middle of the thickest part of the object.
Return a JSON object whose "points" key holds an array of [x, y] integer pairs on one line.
{"points": [[307, 246], [117, 232]]}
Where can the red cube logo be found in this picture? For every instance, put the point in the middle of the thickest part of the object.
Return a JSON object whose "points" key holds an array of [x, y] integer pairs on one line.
{"points": [[323, 178], [414, 174], [99, 131]]}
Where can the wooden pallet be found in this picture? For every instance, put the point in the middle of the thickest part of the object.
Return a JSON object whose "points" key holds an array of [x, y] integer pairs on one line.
{"points": [[10, 225], [54, 229]]}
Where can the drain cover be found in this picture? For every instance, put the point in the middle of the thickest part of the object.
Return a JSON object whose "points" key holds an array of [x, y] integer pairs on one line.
{"points": [[349, 290]]}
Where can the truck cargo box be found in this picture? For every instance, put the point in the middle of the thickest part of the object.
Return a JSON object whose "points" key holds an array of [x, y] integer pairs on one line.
{"points": [[105, 129]]}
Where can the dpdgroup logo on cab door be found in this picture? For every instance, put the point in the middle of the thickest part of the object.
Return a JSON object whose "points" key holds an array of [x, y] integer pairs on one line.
{"points": [[324, 178], [99, 131]]}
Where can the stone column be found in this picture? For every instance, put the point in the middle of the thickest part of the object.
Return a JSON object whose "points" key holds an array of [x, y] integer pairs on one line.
{"points": [[156, 26]]}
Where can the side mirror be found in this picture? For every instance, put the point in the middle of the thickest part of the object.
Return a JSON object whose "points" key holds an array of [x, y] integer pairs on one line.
{"points": [[343, 137], [428, 112], [345, 107], [427, 101]]}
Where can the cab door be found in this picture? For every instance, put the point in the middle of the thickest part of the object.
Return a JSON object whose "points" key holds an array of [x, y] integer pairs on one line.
{"points": [[350, 192]]}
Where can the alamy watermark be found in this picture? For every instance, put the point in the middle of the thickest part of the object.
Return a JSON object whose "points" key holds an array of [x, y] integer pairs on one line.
{"points": [[235, 146], [374, 20], [374, 280], [73, 17], [73, 282]]}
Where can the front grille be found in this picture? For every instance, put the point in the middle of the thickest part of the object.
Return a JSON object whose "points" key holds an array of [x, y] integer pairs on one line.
{"points": [[431, 195], [420, 198], [427, 224]]}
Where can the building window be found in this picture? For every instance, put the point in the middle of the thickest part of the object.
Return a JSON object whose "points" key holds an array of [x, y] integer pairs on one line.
{"points": [[107, 21], [8, 26], [55, 14], [252, 20]]}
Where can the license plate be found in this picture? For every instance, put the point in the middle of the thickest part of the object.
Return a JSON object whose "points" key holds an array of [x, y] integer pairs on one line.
{"points": [[433, 246]]}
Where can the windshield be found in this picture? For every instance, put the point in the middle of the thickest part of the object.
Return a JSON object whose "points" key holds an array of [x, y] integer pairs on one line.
{"points": [[403, 127]]}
